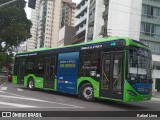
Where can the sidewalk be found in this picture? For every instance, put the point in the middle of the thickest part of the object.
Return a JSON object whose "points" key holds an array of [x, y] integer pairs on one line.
{"points": [[2, 79], [156, 94]]}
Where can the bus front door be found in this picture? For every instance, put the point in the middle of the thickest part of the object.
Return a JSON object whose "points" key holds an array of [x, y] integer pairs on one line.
{"points": [[49, 72], [21, 71], [112, 75]]}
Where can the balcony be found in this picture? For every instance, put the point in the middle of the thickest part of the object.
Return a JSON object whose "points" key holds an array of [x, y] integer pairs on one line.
{"points": [[149, 36], [155, 74], [81, 10], [81, 20], [151, 19], [81, 3], [81, 30], [151, 2], [151, 16]]}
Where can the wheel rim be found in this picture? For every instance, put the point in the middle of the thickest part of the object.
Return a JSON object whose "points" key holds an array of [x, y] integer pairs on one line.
{"points": [[31, 84], [88, 92]]}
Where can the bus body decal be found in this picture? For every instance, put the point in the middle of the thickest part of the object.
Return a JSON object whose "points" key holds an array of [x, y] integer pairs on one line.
{"points": [[67, 72]]}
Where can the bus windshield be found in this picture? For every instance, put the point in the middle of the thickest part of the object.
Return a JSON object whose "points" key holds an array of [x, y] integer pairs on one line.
{"points": [[139, 67]]}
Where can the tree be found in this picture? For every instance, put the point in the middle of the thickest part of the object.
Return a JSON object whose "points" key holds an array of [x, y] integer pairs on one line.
{"points": [[5, 59], [14, 25]]}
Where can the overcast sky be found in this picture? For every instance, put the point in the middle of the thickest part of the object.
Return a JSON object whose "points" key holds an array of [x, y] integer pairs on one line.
{"points": [[28, 10]]}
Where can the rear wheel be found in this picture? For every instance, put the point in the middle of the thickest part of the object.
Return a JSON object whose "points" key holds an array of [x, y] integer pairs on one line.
{"points": [[31, 84], [86, 92]]}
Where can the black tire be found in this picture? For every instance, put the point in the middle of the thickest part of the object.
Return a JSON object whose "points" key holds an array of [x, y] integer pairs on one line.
{"points": [[30, 84], [86, 92]]}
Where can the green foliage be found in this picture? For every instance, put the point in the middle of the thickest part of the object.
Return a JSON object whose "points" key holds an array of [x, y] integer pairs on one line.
{"points": [[5, 59], [14, 25]]}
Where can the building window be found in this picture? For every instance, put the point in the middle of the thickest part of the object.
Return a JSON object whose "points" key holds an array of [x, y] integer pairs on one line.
{"points": [[154, 46], [156, 67], [151, 12], [150, 30]]}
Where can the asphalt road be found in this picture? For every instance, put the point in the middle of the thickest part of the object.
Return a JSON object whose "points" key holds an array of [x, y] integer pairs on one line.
{"points": [[18, 98]]}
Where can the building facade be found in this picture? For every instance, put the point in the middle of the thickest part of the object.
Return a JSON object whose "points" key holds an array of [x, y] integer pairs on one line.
{"points": [[31, 43], [67, 13], [48, 23], [66, 34], [150, 33], [80, 24], [102, 18], [48, 17]]}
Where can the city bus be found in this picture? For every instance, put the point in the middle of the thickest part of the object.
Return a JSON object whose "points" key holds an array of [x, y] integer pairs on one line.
{"points": [[112, 68]]}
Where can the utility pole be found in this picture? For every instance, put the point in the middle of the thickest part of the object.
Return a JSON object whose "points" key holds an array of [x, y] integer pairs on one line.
{"points": [[7, 3]]}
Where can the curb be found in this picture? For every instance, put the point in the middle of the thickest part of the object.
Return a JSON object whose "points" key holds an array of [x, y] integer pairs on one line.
{"points": [[155, 99]]}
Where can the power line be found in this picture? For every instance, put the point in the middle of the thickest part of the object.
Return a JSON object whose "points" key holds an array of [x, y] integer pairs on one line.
{"points": [[121, 30], [8, 3], [122, 11], [125, 6]]}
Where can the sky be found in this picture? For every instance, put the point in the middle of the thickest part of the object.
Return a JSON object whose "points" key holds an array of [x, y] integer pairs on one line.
{"points": [[28, 10]]}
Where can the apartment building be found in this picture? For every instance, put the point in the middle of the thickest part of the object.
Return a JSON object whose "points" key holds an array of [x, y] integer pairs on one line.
{"points": [[67, 13], [47, 18], [48, 23], [80, 24], [150, 33], [31, 42], [100, 18], [95, 20]]}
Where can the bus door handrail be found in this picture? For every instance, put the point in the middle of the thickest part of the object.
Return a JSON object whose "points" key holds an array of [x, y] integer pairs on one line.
{"points": [[117, 78], [105, 76]]}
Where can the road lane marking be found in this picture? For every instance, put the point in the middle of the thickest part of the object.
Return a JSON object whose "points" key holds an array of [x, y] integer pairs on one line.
{"points": [[3, 88], [18, 89], [2, 84], [17, 105], [38, 100]]}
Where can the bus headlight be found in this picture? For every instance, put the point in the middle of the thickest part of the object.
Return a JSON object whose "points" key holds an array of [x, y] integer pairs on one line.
{"points": [[131, 93]]}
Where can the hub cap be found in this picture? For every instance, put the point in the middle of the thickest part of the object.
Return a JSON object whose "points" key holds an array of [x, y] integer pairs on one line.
{"points": [[88, 92], [31, 84]]}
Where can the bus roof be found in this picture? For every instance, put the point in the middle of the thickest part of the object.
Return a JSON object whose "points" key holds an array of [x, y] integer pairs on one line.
{"points": [[107, 39]]}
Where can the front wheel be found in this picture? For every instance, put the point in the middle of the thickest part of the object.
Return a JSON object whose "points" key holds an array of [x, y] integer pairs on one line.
{"points": [[86, 92], [31, 84]]}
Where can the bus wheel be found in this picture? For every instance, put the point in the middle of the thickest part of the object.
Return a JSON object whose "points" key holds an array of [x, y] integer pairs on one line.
{"points": [[31, 84], [86, 92]]}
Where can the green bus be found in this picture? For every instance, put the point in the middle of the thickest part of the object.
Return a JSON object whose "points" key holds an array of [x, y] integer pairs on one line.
{"points": [[112, 68]]}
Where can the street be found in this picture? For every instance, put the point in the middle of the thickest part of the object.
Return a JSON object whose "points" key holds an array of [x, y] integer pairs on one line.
{"points": [[18, 98]]}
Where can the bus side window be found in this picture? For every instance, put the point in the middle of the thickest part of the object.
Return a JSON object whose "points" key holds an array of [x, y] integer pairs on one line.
{"points": [[29, 67], [90, 63]]}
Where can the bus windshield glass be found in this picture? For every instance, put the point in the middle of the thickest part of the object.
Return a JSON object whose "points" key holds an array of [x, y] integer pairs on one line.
{"points": [[139, 67]]}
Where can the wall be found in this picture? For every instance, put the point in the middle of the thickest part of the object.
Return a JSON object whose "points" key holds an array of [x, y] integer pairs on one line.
{"points": [[124, 18]]}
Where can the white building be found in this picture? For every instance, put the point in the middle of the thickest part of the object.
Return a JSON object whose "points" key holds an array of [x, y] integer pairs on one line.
{"points": [[98, 18], [31, 42], [80, 24]]}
